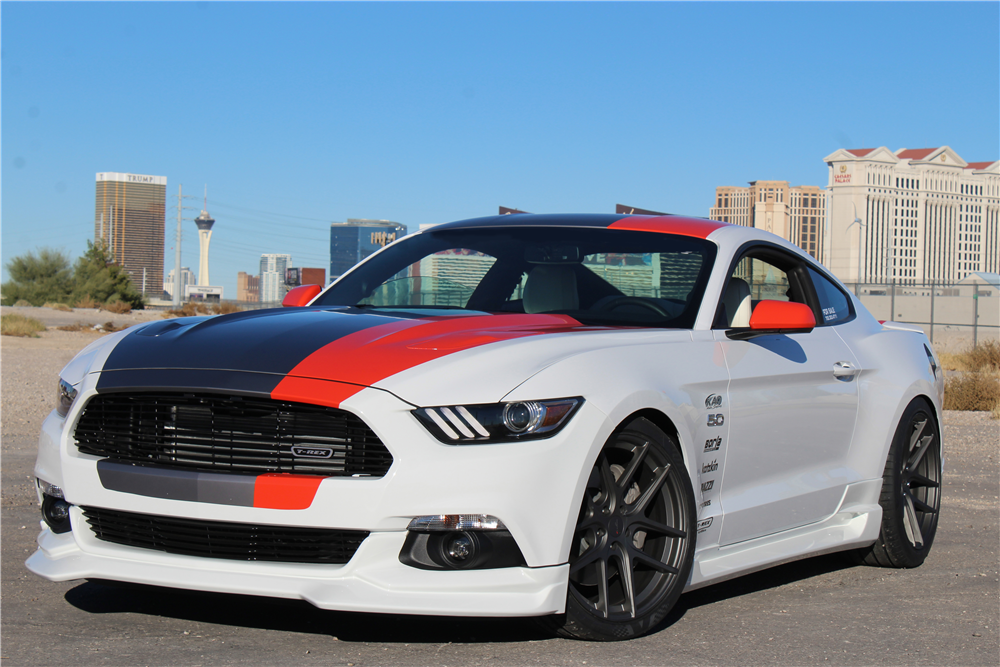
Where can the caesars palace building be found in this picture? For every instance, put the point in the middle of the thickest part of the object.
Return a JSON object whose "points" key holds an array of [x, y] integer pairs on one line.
{"points": [[912, 216]]}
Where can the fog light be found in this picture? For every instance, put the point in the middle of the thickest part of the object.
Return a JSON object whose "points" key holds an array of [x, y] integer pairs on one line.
{"points": [[460, 547], [55, 512]]}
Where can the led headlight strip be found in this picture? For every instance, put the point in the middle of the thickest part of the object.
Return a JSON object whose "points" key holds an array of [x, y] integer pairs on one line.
{"points": [[498, 422]]}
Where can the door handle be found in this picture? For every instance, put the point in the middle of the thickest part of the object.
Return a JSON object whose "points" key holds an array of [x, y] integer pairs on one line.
{"points": [[844, 370]]}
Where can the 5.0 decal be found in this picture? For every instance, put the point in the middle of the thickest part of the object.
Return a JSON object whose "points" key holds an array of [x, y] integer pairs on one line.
{"points": [[716, 420]]}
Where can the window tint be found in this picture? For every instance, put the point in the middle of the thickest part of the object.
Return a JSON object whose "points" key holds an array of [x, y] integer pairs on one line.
{"points": [[834, 305]]}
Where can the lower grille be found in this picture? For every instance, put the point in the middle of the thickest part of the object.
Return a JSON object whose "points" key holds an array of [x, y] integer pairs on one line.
{"points": [[217, 539]]}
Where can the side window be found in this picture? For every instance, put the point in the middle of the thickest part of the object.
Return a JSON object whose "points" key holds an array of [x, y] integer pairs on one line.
{"points": [[756, 278], [765, 280], [834, 305]]}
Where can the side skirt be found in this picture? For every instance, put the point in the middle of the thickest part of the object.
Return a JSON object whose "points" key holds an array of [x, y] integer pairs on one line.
{"points": [[856, 523]]}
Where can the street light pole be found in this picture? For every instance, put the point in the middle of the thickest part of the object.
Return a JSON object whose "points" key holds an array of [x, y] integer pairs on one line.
{"points": [[857, 221]]}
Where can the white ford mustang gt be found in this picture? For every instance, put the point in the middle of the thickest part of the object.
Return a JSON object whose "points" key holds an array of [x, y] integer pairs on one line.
{"points": [[577, 417]]}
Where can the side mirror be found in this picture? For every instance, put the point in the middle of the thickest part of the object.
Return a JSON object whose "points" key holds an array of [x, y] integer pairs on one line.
{"points": [[776, 317], [300, 296]]}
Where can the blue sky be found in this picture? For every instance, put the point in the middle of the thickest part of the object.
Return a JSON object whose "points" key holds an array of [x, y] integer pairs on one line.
{"points": [[300, 114]]}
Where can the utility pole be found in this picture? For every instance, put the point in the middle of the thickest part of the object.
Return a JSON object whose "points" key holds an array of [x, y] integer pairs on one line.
{"points": [[177, 247], [177, 250]]}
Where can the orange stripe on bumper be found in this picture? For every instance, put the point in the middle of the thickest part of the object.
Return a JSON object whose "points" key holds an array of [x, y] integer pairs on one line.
{"points": [[283, 491]]}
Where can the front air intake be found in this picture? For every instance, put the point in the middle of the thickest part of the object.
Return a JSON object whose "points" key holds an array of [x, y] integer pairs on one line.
{"points": [[221, 433]]}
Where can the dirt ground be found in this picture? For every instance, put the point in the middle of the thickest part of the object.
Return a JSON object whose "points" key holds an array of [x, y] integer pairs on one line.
{"points": [[818, 611]]}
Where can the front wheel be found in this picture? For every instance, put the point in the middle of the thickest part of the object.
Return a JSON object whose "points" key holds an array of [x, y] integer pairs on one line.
{"points": [[911, 492], [634, 541]]}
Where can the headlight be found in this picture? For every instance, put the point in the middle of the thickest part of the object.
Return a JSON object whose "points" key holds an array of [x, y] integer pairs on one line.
{"points": [[65, 395], [498, 422]]}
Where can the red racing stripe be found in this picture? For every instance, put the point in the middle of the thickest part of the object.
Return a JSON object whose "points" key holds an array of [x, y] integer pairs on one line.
{"points": [[668, 224], [283, 491], [363, 358]]}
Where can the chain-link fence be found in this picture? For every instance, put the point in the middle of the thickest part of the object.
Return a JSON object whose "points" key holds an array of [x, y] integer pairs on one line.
{"points": [[968, 312]]}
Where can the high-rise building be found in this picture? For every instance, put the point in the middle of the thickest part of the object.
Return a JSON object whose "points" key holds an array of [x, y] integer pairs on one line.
{"points": [[247, 287], [796, 214], [187, 278], [352, 241], [272, 277], [913, 216], [204, 222], [128, 220]]}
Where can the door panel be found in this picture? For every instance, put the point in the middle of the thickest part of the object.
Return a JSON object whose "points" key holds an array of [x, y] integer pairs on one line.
{"points": [[791, 424]]}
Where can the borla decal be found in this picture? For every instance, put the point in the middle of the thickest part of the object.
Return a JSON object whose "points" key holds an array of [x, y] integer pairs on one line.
{"points": [[713, 444]]}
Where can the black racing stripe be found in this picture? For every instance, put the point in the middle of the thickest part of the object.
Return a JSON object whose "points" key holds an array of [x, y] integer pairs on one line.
{"points": [[172, 484], [189, 379], [262, 341]]}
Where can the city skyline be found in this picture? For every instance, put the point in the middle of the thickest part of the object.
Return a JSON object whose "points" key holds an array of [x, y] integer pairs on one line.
{"points": [[543, 107]]}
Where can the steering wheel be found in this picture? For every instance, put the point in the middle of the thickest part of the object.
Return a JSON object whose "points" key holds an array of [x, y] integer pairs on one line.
{"points": [[635, 301]]}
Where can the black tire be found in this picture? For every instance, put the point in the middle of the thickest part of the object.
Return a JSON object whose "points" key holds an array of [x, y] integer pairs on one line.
{"points": [[911, 492], [638, 516]]}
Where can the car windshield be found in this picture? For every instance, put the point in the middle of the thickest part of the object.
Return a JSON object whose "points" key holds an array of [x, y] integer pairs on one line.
{"points": [[595, 275]]}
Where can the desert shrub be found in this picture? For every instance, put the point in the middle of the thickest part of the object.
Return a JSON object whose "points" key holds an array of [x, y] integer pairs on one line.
{"points": [[225, 308], [78, 326], [984, 357], [38, 276], [21, 303], [117, 307], [95, 275], [976, 390], [189, 309], [87, 302], [19, 325], [58, 306]]}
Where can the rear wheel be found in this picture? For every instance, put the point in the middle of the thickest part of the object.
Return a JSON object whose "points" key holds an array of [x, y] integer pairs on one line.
{"points": [[911, 492], [634, 541]]}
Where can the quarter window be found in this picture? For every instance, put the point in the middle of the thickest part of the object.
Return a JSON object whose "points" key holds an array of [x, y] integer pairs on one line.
{"points": [[834, 305]]}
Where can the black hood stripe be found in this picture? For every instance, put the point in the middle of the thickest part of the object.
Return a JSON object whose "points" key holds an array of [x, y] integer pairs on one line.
{"points": [[269, 343]]}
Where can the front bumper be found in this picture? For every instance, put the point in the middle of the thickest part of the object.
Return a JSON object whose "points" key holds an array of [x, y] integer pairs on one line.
{"points": [[373, 581], [534, 487]]}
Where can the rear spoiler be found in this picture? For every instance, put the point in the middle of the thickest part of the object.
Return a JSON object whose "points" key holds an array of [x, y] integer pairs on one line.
{"points": [[902, 326]]}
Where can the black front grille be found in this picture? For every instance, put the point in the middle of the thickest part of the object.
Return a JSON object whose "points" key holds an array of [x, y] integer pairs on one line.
{"points": [[217, 539], [220, 433]]}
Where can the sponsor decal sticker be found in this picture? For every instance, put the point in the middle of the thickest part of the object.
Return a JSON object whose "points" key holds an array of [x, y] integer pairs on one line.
{"points": [[707, 503], [713, 401], [707, 486], [710, 467], [716, 420], [704, 524], [713, 444]]}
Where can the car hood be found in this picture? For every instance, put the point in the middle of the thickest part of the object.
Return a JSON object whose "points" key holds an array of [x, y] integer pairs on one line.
{"points": [[295, 353]]}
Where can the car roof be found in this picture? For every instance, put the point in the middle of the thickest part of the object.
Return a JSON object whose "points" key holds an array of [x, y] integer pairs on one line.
{"points": [[665, 224]]}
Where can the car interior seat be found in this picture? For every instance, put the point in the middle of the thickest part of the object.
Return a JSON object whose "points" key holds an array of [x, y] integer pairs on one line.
{"points": [[737, 303], [551, 287]]}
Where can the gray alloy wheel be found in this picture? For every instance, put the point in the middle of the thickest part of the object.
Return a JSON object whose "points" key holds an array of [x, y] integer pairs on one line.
{"points": [[634, 542], [911, 492]]}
